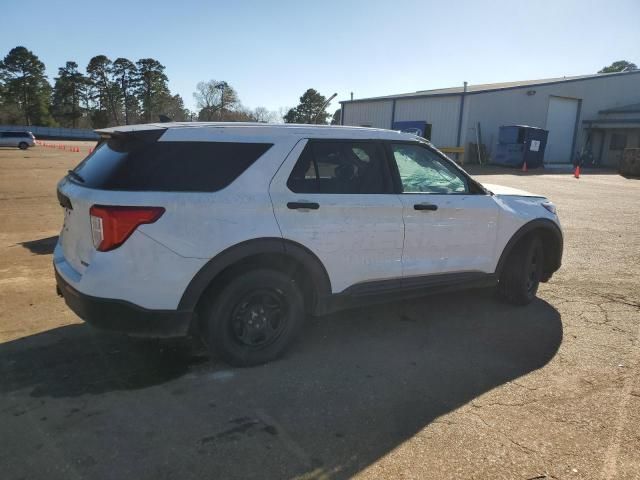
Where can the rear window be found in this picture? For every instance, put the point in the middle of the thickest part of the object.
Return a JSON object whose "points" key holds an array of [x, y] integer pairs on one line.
{"points": [[136, 162]]}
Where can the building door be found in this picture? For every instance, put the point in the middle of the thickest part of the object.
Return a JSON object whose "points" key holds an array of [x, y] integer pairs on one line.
{"points": [[561, 123]]}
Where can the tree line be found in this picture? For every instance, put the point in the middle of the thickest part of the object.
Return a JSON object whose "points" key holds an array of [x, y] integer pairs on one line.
{"points": [[122, 92], [109, 93]]}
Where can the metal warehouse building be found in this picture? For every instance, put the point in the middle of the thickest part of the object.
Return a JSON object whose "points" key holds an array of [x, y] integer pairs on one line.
{"points": [[597, 113]]}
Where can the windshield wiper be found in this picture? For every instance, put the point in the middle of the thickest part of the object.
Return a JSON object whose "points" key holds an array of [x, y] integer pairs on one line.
{"points": [[76, 176]]}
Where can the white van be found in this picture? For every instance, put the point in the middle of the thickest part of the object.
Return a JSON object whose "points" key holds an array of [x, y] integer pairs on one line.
{"points": [[22, 140]]}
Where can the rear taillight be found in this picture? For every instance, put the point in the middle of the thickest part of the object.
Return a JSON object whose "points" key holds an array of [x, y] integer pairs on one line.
{"points": [[111, 226]]}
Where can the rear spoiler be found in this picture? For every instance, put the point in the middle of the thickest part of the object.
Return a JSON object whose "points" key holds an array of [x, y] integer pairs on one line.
{"points": [[131, 129]]}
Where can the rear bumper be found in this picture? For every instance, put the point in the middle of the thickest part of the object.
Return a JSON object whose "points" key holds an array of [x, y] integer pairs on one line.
{"points": [[124, 317]]}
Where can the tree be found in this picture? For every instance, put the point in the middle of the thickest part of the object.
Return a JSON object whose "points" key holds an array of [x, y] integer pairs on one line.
{"points": [[337, 115], [25, 88], [9, 111], [104, 91], [125, 74], [151, 88], [619, 66], [69, 92], [263, 115], [309, 110], [215, 99], [173, 107]]}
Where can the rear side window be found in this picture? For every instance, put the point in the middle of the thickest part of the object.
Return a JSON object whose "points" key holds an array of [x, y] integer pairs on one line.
{"points": [[341, 168], [15, 135], [136, 163]]}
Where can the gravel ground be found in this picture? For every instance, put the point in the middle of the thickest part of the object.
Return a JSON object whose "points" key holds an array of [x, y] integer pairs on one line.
{"points": [[456, 386]]}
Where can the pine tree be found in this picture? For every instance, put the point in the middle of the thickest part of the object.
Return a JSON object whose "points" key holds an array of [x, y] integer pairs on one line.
{"points": [[69, 92], [309, 110], [104, 91], [151, 88], [25, 87], [125, 74]]}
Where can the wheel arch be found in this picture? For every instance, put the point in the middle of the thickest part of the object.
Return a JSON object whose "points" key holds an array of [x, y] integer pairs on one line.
{"points": [[276, 252], [552, 243]]}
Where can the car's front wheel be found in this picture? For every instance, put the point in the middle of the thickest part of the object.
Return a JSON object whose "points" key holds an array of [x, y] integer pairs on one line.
{"points": [[254, 318], [23, 145], [521, 275]]}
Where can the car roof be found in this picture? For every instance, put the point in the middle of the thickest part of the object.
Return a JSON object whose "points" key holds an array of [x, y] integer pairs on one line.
{"points": [[269, 129]]}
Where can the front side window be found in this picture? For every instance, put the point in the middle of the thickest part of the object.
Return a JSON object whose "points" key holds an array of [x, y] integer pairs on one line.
{"points": [[341, 168], [424, 171]]}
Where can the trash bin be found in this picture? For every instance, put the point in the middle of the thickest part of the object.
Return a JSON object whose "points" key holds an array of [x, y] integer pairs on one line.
{"points": [[518, 144]]}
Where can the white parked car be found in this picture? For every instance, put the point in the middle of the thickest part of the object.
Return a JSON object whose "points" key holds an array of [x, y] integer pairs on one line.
{"points": [[22, 140], [236, 232]]}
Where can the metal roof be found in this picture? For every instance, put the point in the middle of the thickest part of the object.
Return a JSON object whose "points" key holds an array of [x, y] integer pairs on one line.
{"points": [[489, 87]]}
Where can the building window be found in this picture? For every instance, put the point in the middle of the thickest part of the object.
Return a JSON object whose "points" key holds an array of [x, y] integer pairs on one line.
{"points": [[618, 141]]}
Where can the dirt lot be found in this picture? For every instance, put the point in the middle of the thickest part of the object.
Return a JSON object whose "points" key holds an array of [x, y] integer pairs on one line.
{"points": [[457, 386]]}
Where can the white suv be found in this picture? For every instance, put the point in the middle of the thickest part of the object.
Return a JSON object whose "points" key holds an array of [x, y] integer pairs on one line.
{"points": [[235, 232]]}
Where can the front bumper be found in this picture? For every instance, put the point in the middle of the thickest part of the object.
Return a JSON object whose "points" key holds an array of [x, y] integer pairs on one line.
{"points": [[124, 317]]}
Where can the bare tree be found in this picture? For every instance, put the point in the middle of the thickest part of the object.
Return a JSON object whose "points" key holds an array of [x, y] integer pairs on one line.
{"points": [[213, 98], [264, 115]]}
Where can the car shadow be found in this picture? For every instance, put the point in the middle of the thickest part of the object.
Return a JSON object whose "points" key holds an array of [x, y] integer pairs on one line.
{"points": [[357, 385], [43, 246]]}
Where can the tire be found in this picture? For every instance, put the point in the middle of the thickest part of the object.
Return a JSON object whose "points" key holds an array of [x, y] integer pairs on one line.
{"points": [[521, 275], [254, 319], [23, 145]]}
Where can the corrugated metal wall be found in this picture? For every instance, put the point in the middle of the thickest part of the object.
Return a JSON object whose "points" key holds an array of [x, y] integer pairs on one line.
{"points": [[369, 114], [441, 112], [493, 109]]}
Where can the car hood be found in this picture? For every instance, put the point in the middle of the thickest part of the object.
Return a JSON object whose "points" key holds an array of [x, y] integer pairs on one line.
{"points": [[508, 191]]}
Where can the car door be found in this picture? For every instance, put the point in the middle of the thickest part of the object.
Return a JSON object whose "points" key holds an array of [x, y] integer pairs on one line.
{"points": [[450, 222], [337, 199], [3, 139]]}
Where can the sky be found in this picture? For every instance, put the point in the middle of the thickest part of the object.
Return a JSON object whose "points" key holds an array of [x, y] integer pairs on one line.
{"points": [[272, 51]]}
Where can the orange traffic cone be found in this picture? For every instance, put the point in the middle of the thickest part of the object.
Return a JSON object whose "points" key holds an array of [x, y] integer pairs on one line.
{"points": [[524, 166], [576, 173]]}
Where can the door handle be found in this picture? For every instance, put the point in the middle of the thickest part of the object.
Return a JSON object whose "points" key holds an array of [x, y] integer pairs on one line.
{"points": [[425, 206], [303, 205]]}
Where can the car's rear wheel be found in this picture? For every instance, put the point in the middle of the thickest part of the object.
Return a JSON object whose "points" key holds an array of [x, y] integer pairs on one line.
{"points": [[23, 145], [521, 275], [254, 318]]}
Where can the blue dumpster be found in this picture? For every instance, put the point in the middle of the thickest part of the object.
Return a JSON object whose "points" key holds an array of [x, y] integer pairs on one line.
{"points": [[518, 144]]}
